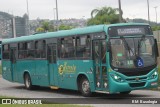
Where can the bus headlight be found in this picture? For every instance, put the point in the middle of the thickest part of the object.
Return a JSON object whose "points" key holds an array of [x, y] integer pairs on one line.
{"points": [[154, 75], [117, 78]]}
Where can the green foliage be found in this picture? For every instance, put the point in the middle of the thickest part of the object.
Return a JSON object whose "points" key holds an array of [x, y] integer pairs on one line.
{"points": [[155, 28], [65, 27], [45, 27], [104, 15], [40, 29]]}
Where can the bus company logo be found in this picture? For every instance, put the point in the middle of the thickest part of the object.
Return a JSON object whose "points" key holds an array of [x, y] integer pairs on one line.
{"points": [[137, 79], [60, 69], [65, 68]]}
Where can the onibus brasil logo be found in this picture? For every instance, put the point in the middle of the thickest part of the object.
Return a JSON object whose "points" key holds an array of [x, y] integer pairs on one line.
{"points": [[65, 68]]}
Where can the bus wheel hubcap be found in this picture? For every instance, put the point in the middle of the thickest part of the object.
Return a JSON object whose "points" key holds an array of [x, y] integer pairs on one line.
{"points": [[85, 86]]}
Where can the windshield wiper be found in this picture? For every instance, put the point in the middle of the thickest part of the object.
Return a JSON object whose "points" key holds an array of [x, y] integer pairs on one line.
{"points": [[127, 46]]}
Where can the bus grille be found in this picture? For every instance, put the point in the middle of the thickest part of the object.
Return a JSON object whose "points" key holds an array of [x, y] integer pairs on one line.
{"points": [[134, 79], [137, 84]]}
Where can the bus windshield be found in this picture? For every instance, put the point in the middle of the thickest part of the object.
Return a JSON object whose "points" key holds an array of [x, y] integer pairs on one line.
{"points": [[132, 52]]}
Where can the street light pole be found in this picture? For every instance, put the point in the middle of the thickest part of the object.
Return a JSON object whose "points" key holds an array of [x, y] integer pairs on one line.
{"points": [[156, 12], [148, 11], [28, 27], [120, 11], [57, 15]]}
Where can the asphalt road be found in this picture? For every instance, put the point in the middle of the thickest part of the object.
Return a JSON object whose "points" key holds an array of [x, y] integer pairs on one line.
{"points": [[68, 96]]}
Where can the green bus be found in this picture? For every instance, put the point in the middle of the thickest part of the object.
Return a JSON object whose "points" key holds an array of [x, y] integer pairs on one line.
{"points": [[116, 58]]}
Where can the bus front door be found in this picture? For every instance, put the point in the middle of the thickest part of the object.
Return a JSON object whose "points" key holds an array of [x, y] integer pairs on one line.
{"points": [[99, 56], [13, 64], [52, 59]]}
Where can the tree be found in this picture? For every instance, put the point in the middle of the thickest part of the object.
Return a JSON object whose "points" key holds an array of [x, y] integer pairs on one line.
{"points": [[155, 28], [104, 15], [45, 26], [65, 27], [39, 30]]}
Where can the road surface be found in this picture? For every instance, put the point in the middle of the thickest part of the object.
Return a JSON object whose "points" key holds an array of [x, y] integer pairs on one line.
{"points": [[68, 96]]}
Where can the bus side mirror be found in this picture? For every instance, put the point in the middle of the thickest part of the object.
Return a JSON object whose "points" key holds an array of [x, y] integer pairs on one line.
{"points": [[156, 48], [108, 46]]}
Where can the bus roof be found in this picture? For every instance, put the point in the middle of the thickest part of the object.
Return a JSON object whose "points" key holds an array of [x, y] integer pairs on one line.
{"points": [[76, 31]]}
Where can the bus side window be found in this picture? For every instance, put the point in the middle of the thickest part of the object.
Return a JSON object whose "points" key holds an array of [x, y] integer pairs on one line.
{"points": [[68, 47], [22, 50], [6, 52], [40, 47], [43, 50], [30, 50], [62, 50], [83, 47]]}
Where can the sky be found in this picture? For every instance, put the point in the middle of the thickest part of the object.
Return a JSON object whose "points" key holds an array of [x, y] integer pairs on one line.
{"points": [[45, 9]]}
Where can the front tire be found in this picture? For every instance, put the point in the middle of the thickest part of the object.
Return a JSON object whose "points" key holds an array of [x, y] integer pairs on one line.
{"points": [[28, 82], [85, 87]]}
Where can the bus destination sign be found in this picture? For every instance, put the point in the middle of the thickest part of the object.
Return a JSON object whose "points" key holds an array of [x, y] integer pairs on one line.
{"points": [[130, 31]]}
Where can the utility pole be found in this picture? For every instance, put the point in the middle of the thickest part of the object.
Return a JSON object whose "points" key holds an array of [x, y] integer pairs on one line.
{"points": [[57, 15], [120, 11], [14, 27], [148, 11], [28, 26], [156, 13]]}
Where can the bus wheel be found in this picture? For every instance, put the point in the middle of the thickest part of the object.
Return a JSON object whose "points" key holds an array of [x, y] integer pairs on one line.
{"points": [[85, 87], [27, 82], [126, 92]]}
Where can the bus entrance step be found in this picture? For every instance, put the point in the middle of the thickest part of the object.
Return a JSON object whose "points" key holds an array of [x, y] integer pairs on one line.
{"points": [[54, 87], [106, 92]]}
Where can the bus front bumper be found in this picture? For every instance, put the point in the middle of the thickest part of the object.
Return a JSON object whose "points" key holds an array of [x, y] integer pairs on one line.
{"points": [[115, 87]]}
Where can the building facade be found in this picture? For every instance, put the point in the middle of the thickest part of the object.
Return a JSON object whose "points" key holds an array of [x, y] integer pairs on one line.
{"points": [[11, 26]]}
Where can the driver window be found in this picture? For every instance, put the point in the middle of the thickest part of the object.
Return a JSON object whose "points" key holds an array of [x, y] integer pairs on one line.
{"points": [[146, 47], [118, 51]]}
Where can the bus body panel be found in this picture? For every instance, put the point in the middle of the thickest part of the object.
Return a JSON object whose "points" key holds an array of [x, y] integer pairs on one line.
{"points": [[42, 72], [26, 66], [6, 70], [53, 75], [71, 70]]}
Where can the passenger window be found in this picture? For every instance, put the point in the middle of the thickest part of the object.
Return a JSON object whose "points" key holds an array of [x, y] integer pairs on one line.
{"points": [[68, 47], [40, 48], [22, 50], [30, 50], [6, 51], [83, 47]]}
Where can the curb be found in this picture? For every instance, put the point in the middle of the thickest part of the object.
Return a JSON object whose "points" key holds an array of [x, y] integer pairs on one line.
{"points": [[0, 76]]}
